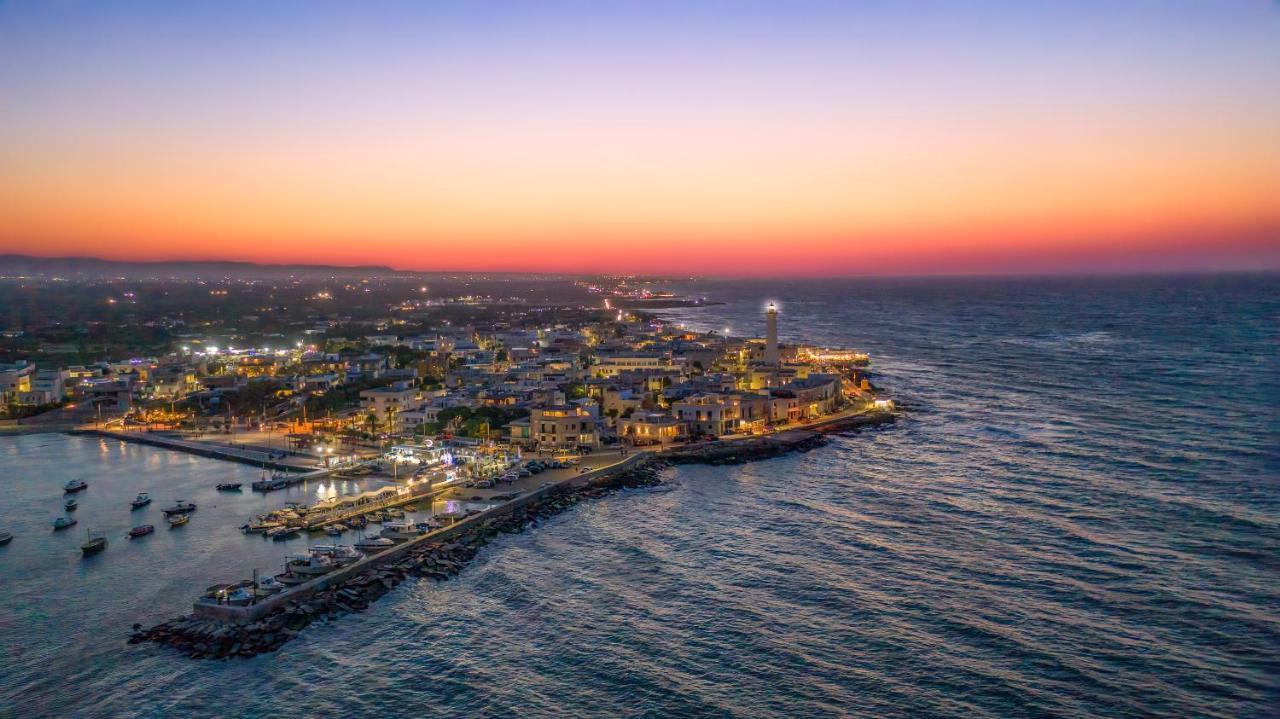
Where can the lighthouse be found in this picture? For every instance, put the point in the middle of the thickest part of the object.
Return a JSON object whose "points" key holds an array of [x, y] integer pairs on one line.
{"points": [[771, 335]]}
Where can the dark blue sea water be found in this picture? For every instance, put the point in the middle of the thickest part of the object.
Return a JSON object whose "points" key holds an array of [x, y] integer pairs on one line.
{"points": [[1079, 517]]}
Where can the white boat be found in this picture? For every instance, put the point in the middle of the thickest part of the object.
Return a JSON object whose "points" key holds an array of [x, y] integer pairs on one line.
{"points": [[340, 553], [142, 500], [400, 530], [312, 564], [374, 544], [63, 522], [75, 485]]}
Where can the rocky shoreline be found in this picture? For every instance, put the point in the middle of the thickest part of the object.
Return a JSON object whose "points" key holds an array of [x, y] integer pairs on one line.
{"points": [[211, 639]]}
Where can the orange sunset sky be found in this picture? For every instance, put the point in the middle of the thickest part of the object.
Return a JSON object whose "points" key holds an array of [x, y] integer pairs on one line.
{"points": [[750, 138]]}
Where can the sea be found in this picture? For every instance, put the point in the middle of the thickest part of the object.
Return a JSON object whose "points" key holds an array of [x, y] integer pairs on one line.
{"points": [[1077, 515]]}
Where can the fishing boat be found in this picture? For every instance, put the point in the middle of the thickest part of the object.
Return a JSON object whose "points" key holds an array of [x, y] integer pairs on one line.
{"points": [[180, 507], [140, 501], [141, 531], [75, 485], [5, 538], [94, 544], [63, 522], [70, 505], [177, 520], [229, 487], [374, 544]]}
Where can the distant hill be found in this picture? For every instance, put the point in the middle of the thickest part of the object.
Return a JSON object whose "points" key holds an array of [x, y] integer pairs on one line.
{"points": [[94, 267]]}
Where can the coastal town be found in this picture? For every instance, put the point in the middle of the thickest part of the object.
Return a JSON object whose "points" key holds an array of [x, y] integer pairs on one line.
{"points": [[461, 417]]}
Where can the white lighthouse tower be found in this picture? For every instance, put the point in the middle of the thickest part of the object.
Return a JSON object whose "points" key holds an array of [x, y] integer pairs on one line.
{"points": [[771, 335]]}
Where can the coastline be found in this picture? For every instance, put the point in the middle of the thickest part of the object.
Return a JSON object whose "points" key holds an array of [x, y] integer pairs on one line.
{"points": [[216, 631]]}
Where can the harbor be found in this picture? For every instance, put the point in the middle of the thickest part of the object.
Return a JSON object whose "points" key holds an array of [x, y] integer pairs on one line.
{"points": [[219, 627]]}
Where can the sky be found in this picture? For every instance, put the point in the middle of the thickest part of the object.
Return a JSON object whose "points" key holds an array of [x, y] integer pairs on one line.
{"points": [[729, 138]]}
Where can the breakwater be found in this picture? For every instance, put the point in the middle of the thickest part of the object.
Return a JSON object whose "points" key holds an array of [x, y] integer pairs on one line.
{"points": [[216, 631], [209, 636]]}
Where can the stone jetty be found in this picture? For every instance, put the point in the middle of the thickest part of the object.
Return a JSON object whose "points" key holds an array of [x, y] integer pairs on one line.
{"points": [[205, 638], [208, 637]]}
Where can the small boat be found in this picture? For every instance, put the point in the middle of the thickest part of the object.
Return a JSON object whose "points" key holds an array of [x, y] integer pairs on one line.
{"points": [[333, 530], [280, 534], [141, 531], [177, 520], [75, 485], [63, 522], [260, 527], [5, 538], [289, 579], [95, 543], [400, 530], [229, 487], [140, 501], [374, 544], [312, 564], [70, 505], [342, 554], [270, 586], [410, 508], [180, 507]]}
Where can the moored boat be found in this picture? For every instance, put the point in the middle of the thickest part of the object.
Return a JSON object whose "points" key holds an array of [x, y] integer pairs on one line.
{"points": [[141, 530], [229, 487], [343, 554], [374, 544], [142, 500], [180, 507], [260, 527], [280, 534], [177, 520], [400, 530], [63, 522], [334, 530], [75, 485], [312, 564], [94, 544]]}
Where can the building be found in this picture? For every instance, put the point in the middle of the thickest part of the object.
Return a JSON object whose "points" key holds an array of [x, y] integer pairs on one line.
{"points": [[562, 427], [387, 403], [650, 428], [15, 380], [611, 365]]}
